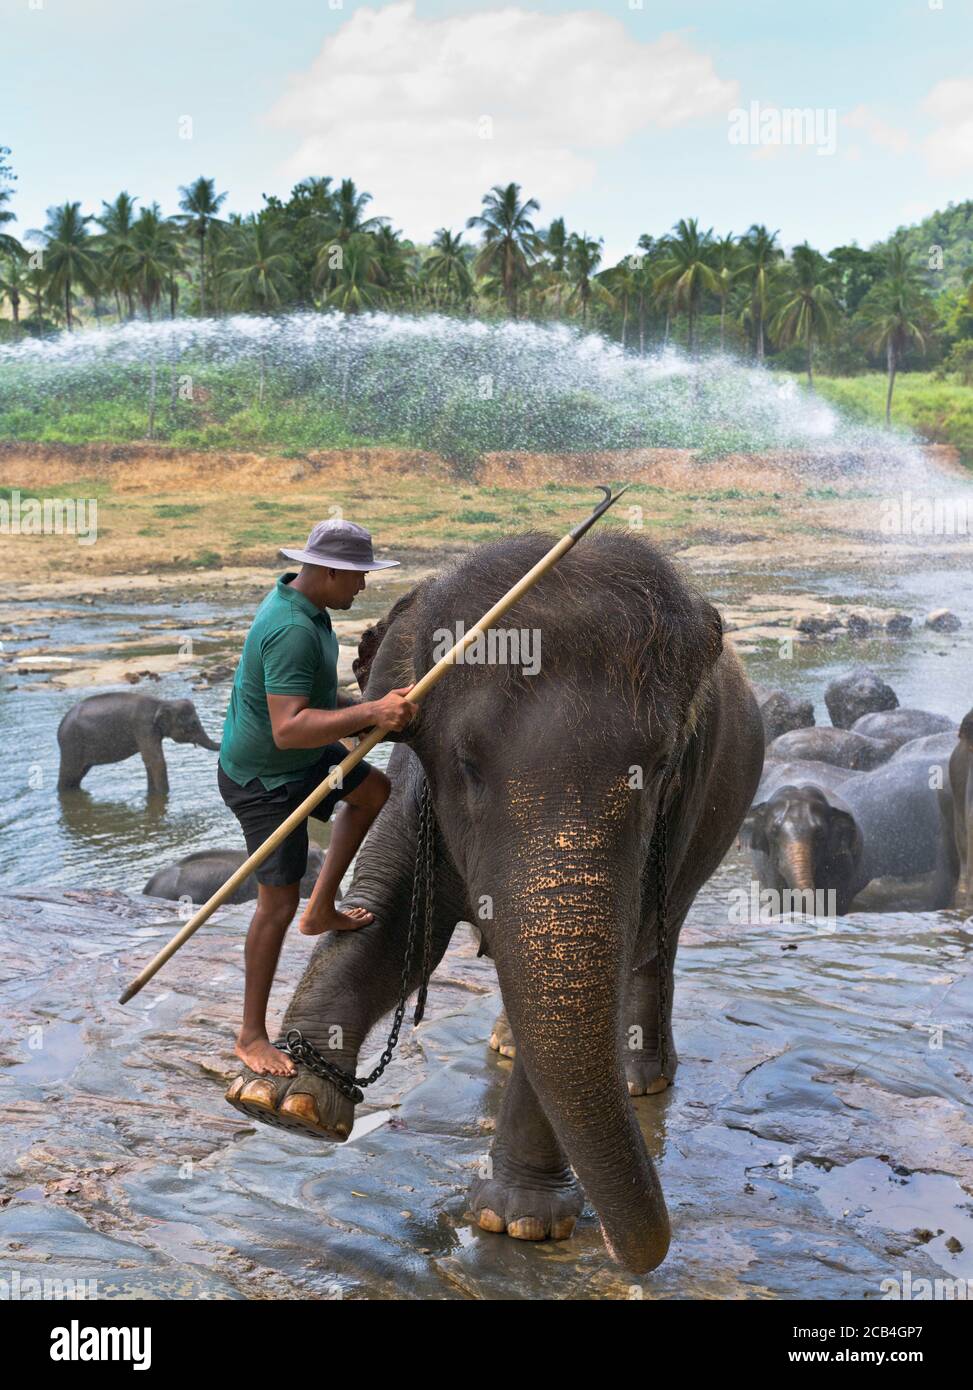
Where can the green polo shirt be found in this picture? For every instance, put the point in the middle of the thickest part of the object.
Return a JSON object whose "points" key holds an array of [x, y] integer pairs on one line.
{"points": [[291, 649]]}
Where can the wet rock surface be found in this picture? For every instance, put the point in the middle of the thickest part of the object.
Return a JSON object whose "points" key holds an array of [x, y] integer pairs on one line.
{"points": [[819, 1138]]}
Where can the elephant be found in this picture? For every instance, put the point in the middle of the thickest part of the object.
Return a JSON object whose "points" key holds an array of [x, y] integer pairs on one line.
{"points": [[781, 713], [900, 726], [570, 806], [860, 692], [932, 746], [110, 728], [832, 830], [960, 804], [840, 747], [199, 875]]}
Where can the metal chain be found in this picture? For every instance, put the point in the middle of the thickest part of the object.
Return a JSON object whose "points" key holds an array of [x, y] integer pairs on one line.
{"points": [[423, 892]]}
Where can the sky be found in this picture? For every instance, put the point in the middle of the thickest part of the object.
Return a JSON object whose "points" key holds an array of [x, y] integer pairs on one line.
{"points": [[621, 116]]}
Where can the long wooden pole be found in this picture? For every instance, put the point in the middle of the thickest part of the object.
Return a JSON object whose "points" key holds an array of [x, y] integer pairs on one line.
{"points": [[335, 777]]}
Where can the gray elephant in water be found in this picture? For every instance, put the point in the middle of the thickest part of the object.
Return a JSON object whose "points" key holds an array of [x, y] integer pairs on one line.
{"points": [[199, 875], [898, 726], [841, 747], [958, 807], [860, 692], [638, 729], [110, 728], [817, 828], [780, 712]]}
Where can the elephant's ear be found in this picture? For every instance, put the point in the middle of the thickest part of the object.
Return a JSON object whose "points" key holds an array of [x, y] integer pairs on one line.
{"points": [[386, 654], [753, 831], [846, 835]]}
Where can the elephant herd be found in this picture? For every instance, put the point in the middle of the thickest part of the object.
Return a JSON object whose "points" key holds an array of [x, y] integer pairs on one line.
{"points": [[880, 797]]}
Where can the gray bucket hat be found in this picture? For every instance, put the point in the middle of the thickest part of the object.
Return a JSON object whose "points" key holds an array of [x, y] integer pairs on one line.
{"points": [[339, 545]]}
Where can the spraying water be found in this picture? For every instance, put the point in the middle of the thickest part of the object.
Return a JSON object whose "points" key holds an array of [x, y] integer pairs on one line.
{"points": [[457, 387]]}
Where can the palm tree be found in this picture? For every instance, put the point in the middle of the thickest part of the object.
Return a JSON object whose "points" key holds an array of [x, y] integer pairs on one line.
{"points": [[200, 203], [356, 275], [555, 244], [259, 267], [895, 313], [151, 259], [759, 256], [446, 267], [725, 262], [807, 312], [686, 271], [623, 282], [68, 258], [510, 243], [13, 283], [349, 205], [584, 257], [116, 222]]}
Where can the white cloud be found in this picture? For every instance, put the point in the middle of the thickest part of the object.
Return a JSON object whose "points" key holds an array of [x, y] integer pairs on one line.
{"points": [[399, 103], [879, 132], [949, 149]]}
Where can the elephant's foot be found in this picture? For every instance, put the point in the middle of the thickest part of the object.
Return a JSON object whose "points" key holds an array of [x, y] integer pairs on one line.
{"points": [[527, 1204], [304, 1103], [646, 1077], [502, 1037]]}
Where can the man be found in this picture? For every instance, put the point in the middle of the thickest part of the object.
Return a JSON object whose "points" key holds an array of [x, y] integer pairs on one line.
{"points": [[279, 743]]}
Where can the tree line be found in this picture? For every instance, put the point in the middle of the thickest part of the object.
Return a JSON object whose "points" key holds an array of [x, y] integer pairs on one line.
{"points": [[321, 249]]}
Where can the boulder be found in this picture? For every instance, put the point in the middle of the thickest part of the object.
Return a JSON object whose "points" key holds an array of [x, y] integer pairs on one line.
{"points": [[943, 620], [781, 713], [862, 691]]}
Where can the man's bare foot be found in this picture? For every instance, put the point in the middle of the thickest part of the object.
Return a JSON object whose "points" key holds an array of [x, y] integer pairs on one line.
{"points": [[331, 919], [261, 1056]]}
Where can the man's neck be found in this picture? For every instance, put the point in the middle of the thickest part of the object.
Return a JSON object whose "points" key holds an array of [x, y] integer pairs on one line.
{"points": [[301, 585]]}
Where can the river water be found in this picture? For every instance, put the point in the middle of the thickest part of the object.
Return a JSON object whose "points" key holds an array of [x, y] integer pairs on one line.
{"points": [[819, 1140]]}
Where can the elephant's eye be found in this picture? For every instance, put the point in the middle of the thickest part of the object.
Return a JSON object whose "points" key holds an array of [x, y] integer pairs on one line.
{"points": [[471, 772]]}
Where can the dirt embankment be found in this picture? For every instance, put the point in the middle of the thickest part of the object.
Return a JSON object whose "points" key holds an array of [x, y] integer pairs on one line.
{"points": [[162, 511]]}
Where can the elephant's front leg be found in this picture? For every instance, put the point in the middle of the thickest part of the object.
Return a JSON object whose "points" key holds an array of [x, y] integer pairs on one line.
{"points": [[352, 980], [156, 772], [527, 1187]]}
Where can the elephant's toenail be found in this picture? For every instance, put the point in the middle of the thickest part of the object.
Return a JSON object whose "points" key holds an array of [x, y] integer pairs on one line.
{"points": [[508, 1050], [563, 1228], [527, 1228], [302, 1107], [259, 1093], [657, 1086], [235, 1087], [489, 1221]]}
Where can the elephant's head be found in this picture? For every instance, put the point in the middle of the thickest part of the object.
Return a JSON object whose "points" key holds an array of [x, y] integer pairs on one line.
{"points": [[546, 788], [178, 720], [809, 841]]}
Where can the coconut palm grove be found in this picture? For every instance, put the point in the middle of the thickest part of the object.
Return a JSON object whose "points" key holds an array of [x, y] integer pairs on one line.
{"points": [[843, 316]]}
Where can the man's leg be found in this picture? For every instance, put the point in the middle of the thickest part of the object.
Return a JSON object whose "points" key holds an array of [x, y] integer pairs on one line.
{"points": [[354, 815], [275, 911]]}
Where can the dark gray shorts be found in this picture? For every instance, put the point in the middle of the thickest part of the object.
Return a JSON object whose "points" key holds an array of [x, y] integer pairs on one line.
{"points": [[260, 811]]}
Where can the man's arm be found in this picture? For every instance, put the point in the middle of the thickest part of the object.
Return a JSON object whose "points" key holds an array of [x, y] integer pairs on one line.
{"points": [[296, 725]]}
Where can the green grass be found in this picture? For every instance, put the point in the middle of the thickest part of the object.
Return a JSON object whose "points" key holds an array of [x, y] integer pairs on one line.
{"points": [[940, 412]]}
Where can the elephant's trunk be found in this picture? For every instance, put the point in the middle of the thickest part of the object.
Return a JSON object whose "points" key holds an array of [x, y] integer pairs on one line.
{"points": [[798, 865], [560, 947], [202, 740]]}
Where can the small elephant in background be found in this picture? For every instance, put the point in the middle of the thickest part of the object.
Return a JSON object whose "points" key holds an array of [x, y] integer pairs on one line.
{"points": [[840, 747], [899, 726], [110, 728], [817, 827], [860, 692], [960, 805], [199, 875]]}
